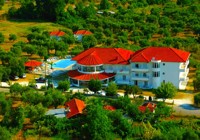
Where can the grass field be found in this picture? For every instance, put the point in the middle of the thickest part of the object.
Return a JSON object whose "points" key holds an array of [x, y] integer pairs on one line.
{"points": [[21, 28]]}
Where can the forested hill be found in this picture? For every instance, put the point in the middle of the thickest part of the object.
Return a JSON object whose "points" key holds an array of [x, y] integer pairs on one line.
{"points": [[130, 24]]}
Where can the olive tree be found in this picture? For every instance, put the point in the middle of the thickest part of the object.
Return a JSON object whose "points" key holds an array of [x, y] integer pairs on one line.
{"points": [[2, 38], [197, 99], [94, 85], [111, 90], [165, 90]]}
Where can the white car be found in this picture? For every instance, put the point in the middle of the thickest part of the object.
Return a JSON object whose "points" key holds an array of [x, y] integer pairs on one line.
{"points": [[101, 92]]}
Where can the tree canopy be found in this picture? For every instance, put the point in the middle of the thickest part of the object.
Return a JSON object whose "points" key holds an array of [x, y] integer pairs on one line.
{"points": [[165, 90]]}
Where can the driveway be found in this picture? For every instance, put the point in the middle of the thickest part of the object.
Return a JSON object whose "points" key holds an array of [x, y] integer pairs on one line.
{"points": [[184, 107]]}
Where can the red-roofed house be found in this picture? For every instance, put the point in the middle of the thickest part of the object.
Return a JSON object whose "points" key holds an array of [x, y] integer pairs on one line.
{"points": [[74, 107], [148, 105], [57, 34], [146, 68], [80, 33]]}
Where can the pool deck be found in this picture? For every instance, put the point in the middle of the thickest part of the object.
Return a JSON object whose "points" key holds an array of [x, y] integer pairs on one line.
{"points": [[41, 70]]}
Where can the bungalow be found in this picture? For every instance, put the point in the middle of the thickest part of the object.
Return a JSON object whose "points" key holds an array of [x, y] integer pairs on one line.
{"points": [[149, 105], [57, 34], [80, 33], [74, 107], [146, 68]]}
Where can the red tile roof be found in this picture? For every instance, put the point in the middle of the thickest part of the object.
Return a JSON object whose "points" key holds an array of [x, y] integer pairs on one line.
{"points": [[104, 56], [165, 54], [57, 33], [74, 74], [76, 107], [149, 105], [109, 107], [91, 59], [82, 32]]}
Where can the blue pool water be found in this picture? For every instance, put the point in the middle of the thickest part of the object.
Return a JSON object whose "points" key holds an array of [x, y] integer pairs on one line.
{"points": [[63, 63]]}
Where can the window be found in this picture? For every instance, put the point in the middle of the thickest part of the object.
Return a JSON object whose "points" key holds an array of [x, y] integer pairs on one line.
{"points": [[88, 69], [137, 65], [163, 64], [84, 69], [99, 68], [137, 74], [136, 82], [163, 73], [144, 75], [124, 77], [156, 65], [79, 68], [156, 74]]}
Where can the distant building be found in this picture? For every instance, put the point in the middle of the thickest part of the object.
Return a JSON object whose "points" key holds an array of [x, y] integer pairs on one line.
{"points": [[146, 68], [80, 33], [57, 34]]}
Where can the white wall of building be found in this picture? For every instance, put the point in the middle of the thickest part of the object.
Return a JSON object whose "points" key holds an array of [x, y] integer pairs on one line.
{"points": [[143, 74], [170, 73]]}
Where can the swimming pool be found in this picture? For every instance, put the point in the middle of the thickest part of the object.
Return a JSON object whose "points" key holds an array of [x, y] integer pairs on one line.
{"points": [[63, 63]]}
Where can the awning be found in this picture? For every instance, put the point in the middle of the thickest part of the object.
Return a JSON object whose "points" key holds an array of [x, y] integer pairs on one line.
{"points": [[74, 74]]}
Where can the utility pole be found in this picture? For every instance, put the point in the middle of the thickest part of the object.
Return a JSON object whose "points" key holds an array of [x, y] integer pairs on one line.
{"points": [[45, 73]]}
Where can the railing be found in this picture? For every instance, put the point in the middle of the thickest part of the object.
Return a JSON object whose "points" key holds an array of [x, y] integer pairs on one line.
{"points": [[140, 68], [123, 71], [145, 78], [183, 75], [184, 65], [122, 81]]}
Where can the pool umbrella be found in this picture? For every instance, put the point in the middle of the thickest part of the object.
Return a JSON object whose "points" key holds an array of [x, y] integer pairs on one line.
{"points": [[33, 63]]}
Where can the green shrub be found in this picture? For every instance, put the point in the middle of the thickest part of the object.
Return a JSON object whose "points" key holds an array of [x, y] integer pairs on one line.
{"points": [[197, 99]]}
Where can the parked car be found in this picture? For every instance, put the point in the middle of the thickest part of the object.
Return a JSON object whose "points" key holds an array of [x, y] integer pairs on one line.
{"points": [[23, 75], [101, 92], [14, 77]]}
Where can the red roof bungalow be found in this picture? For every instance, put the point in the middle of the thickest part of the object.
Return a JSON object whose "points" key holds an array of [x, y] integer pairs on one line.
{"points": [[109, 107], [80, 33], [149, 105], [74, 107], [57, 34]]}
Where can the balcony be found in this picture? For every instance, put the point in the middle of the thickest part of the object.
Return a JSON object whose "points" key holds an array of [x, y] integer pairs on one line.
{"points": [[109, 70], [183, 84], [184, 65], [156, 69], [140, 69], [123, 71], [142, 78], [183, 75], [122, 81]]}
